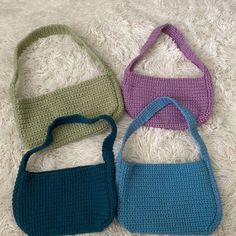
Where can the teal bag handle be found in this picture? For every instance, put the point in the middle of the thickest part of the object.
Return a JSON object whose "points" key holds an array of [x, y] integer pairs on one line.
{"points": [[150, 110], [107, 144]]}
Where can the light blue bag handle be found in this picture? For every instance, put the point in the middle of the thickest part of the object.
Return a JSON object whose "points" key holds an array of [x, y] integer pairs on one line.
{"points": [[151, 109]]}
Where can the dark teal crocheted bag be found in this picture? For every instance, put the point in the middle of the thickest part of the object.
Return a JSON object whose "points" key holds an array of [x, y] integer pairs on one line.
{"points": [[67, 201]]}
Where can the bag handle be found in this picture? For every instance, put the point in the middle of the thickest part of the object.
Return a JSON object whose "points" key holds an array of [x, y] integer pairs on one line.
{"points": [[155, 106], [107, 147], [43, 32], [178, 37]]}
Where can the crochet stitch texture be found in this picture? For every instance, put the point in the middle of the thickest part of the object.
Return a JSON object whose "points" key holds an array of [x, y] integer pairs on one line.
{"points": [[180, 199], [67, 201], [97, 96], [195, 93]]}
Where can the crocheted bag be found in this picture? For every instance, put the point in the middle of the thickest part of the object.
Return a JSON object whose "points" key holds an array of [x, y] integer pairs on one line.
{"points": [[67, 201], [97, 96], [195, 93], [166, 198]]}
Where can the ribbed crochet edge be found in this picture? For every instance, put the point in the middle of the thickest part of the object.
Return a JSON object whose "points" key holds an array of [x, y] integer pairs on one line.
{"points": [[112, 196], [110, 174], [46, 31], [120, 108], [218, 215], [160, 232]]}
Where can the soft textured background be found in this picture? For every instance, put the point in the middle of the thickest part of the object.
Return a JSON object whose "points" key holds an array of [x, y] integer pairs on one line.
{"points": [[117, 30]]}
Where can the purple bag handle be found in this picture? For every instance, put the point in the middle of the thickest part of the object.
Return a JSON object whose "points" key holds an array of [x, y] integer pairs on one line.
{"points": [[178, 37]]}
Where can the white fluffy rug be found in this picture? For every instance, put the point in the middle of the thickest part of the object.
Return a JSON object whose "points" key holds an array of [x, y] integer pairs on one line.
{"points": [[117, 30]]}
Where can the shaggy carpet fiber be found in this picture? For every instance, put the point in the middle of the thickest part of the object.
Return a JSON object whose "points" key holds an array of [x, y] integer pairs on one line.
{"points": [[117, 30]]}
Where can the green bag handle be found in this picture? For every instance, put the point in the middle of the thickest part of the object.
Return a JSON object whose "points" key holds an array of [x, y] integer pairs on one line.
{"points": [[43, 32]]}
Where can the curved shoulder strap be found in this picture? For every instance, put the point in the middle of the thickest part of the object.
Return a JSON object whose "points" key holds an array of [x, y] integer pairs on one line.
{"points": [[178, 38], [151, 109], [43, 32], [107, 148]]}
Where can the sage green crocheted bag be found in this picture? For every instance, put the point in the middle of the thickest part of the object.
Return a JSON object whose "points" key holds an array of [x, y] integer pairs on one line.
{"points": [[100, 95]]}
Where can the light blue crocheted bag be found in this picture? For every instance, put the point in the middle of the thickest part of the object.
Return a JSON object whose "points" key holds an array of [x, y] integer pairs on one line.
{"points": [[172, 198]]}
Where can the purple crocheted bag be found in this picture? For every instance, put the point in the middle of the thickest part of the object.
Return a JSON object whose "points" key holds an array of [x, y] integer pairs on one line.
{"points": [[195, 93]]}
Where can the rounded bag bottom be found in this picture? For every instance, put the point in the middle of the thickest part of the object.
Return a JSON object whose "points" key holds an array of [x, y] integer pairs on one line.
{"points": [[167, 198], [68, 201]]}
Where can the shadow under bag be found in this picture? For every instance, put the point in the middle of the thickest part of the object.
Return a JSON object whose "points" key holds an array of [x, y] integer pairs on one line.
{"points": [[194, 93], [67, 201], [171, 198]]}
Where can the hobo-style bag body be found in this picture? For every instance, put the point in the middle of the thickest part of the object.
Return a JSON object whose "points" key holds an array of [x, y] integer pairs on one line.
{"points": [[180, 199], [67, 201], [93, 97], [194, 93]]}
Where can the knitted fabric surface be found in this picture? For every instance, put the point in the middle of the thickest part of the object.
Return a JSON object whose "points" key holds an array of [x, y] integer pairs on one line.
{"points": [[67, 201], [94, 97], [169, 198], [195, 93]]}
